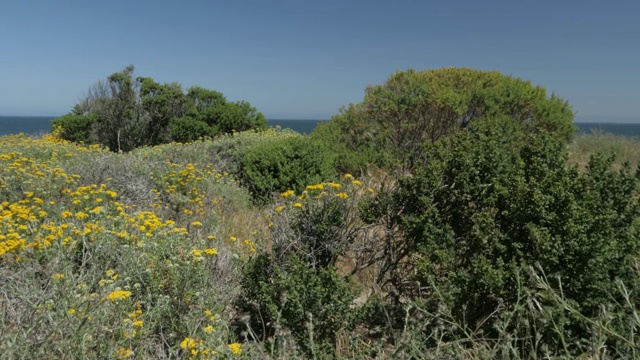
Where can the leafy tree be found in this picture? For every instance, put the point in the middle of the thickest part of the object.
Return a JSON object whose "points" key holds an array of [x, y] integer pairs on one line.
{"points": [[163, 102], [124, 112], [414, 107], [121, 120], [223, 117]]}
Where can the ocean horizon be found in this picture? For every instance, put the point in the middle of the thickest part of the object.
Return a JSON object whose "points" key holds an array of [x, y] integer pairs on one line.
{"points": [[40, 125]]}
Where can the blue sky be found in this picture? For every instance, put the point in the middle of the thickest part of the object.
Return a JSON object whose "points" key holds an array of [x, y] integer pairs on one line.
{"points": [[306, 59]]}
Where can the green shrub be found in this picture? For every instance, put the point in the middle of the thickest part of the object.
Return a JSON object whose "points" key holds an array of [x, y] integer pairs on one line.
{"points": [[345, 136], [289, 294], [412, 107], [493, 202], [285, 164], [75, 127], [187, 129]]}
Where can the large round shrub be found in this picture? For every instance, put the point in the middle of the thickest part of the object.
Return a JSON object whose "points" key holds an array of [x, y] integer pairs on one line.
{"points": [[286, 164], [412, 108]]}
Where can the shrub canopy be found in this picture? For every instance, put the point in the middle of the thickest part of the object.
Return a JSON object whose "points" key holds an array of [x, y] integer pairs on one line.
{"points": [[124, 112], [412, 107]]}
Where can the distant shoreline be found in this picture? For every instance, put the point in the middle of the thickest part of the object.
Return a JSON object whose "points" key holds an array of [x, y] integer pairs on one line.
{"points": [[37, 125]]}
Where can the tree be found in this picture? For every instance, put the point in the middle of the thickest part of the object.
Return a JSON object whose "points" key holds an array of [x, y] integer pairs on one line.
{"points": [[123, 113], [163, 102], [416, 107], [222, 117]]}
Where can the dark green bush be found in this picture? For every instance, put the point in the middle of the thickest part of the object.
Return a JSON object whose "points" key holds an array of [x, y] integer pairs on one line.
{"points": [[289, 294], [187, 129], [412, 108], [495, 201], [125, 112], [75, 127], [286, 164]]}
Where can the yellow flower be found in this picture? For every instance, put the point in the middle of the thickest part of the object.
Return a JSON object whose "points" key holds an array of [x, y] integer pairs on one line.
{"points": [[211, 251], [348, 177], [356, 182], [71, 311], [342, 195], [297, 205], [138, 323], [280, 208], [287, 193], [123, 353], [236, 348], [57, 276], [196, 224], [315, 187], [208, 329], [334, 185], [80, 215], [119, 294], [188, 343]]}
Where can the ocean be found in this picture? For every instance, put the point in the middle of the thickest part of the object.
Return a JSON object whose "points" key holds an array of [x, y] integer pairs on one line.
{"points": [[38, 125]]}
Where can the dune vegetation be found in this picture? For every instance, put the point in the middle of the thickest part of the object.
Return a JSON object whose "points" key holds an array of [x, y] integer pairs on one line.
{"points": [[451, 214]]}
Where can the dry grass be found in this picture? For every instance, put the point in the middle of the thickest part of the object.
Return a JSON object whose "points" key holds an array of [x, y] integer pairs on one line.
{"points": [[623, 148]]}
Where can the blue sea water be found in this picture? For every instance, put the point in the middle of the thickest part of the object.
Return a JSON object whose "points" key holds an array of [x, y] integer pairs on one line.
{"points": [[38, 125]]}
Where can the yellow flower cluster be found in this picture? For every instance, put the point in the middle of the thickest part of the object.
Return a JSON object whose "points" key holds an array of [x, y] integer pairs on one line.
{"points": [[119, 295]]}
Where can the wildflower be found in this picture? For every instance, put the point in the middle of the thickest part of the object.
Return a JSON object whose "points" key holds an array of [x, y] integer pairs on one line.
{"points": [[71, 311], [188, 343], [208, 329], [210, 315], [211, 251], [80, 215], [280, 208], [297, 205], [119, 294], [334, 185], [287, 193], [348, 177], [57, 276], [315, 187], [123, 353], [342, 195], [138, 323], [196, 224], [356, 182], [236, 348], [65, 214]]}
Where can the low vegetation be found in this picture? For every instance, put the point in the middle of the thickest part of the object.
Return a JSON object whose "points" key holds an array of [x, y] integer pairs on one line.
{"points": [[478, 226]]}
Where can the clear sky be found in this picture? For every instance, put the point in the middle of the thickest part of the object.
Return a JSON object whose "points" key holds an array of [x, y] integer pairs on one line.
{"points": [[302, 59]]}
